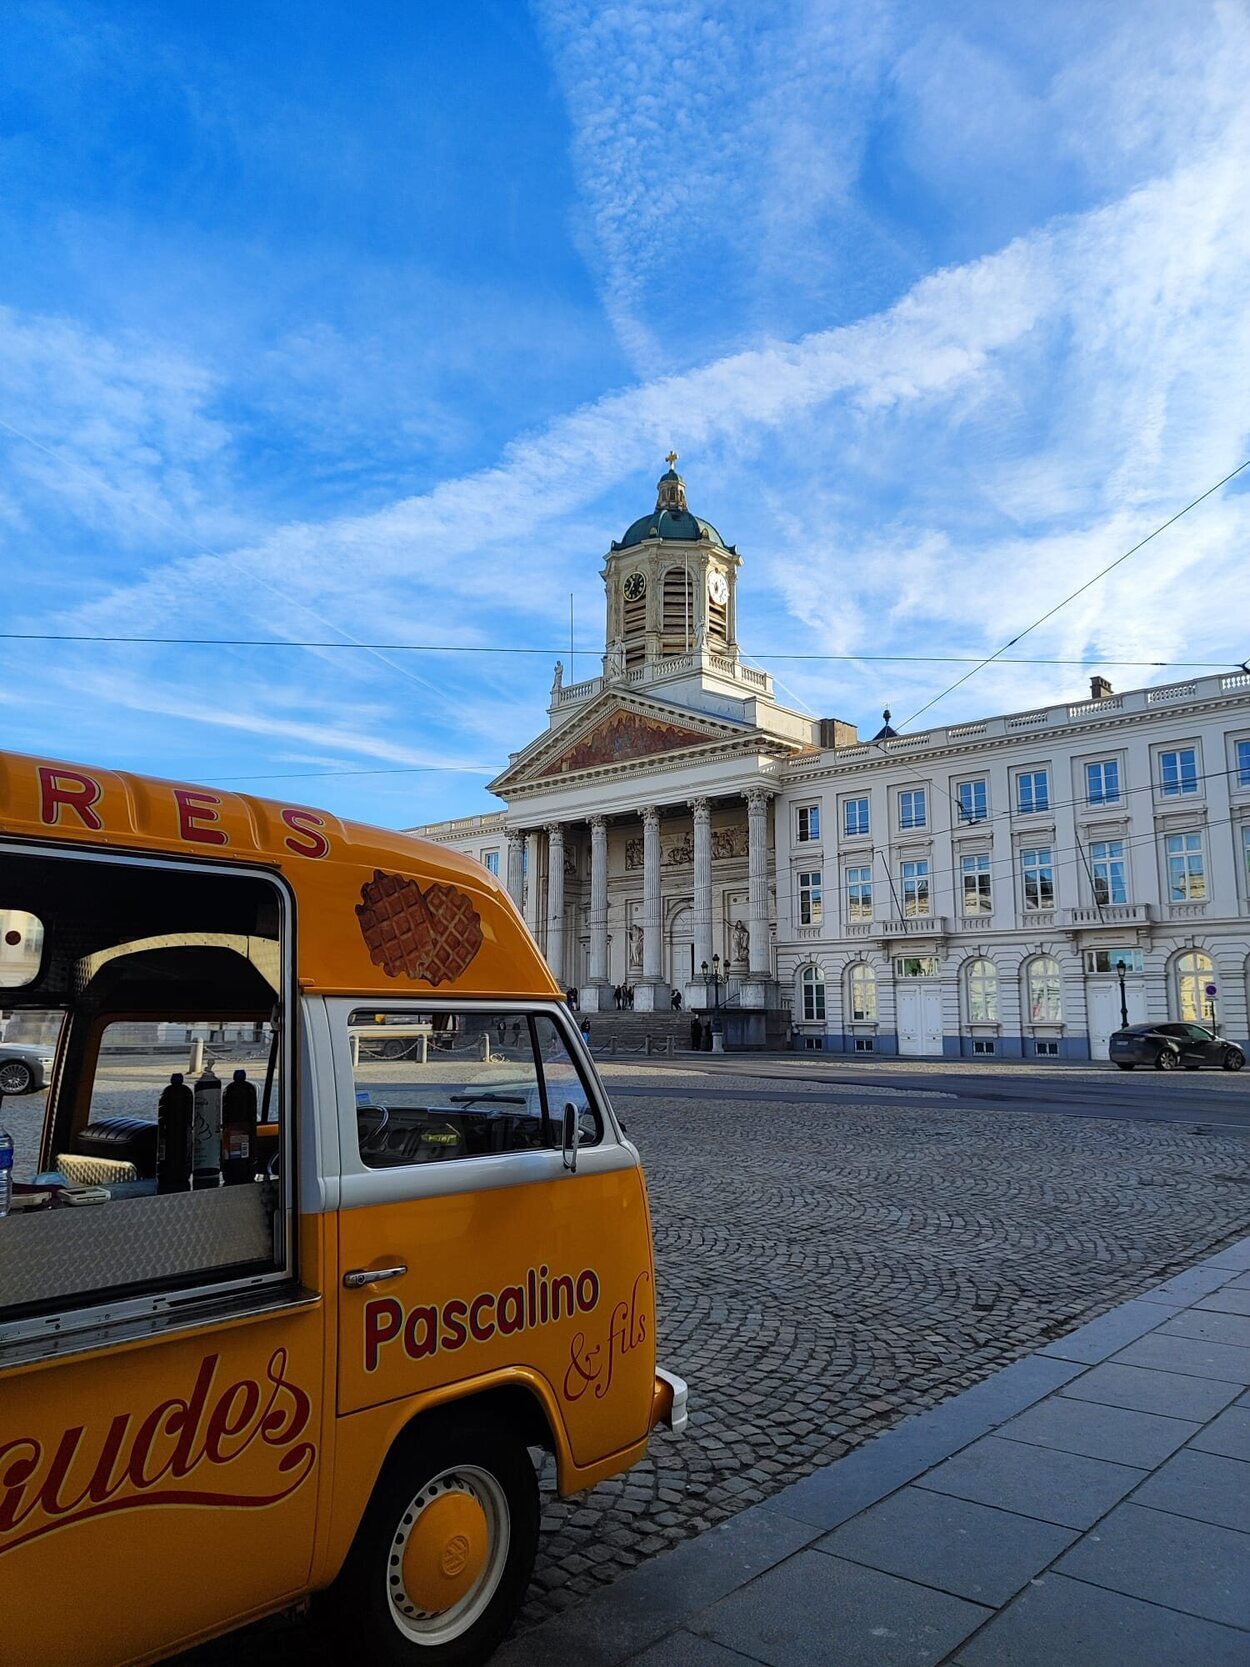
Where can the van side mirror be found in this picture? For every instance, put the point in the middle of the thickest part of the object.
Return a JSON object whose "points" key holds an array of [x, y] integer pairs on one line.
{"points": [[570, 1135]]}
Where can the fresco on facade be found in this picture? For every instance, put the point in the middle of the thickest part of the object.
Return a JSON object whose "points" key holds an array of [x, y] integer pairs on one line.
{"points": [[624, 736]]}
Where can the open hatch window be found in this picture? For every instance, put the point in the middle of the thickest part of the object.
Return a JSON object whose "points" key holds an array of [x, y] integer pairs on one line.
{"points": [[151, 1140]]}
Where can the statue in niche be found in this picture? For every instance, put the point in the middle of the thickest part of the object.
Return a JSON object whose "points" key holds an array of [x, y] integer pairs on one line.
{"points": [[616, 659], [557, 682], [635, 946], [681, 852], [633, 853], [742, 941]]}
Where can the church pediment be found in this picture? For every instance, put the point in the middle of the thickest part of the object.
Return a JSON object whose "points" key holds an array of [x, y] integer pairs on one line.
{"points": [[621, 738], [618, 732]]}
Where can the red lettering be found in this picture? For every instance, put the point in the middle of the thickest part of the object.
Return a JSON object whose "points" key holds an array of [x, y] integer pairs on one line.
{"points": [[19, 1460], [424, 1320], [50, 1493], [76, 792], [383, 1318], [241, 1399], [511, 1310], [104, 1484], [454, 1332], [196, 813], [186, 1425], [483, 1332], [279, 1427], [588, 1289], [306, 822]]}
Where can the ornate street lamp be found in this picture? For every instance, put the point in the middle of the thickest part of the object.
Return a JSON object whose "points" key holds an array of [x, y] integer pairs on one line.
{"points": [[1121, 969], [713, 976]]}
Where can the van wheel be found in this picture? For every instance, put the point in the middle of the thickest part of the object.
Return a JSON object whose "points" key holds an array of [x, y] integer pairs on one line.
{"points": [[443, 1556], [1234, 1059], [1167, 1059]]}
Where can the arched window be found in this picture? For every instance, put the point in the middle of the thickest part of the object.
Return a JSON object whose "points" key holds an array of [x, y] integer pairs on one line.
{"points": [[812, 985], [1192, 972], [1045, 991], [982, 977], [862, 989]]}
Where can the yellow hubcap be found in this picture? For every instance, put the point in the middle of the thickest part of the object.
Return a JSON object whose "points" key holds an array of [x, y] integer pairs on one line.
{"points": [[446, 1552]]}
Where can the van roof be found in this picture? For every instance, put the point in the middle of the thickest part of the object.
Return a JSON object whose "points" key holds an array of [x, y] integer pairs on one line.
{"points": [[379, 913]]}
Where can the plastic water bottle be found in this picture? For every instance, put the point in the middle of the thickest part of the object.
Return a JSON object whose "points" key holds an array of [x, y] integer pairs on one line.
{"points": [[6, 1172]]}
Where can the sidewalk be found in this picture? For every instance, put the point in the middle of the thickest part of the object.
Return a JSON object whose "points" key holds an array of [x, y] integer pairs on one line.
{"points": [[1087, 1507]]}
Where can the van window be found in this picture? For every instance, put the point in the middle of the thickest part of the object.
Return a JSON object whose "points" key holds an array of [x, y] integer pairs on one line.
{"points": [[436, 1085], [126, 1182]]}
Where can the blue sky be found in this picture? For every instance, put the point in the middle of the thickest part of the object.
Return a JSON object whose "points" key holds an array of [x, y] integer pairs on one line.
{"points": [[375, 323]]}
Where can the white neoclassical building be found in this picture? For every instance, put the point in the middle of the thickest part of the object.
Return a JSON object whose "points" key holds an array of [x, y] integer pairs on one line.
{"points": [[1006, 887]]}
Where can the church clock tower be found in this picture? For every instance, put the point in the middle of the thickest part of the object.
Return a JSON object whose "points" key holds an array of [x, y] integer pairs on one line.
{"points": [[671, 593]]}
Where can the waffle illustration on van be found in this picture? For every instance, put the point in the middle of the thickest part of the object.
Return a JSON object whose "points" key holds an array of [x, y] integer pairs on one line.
{"points": [[432, 935]]}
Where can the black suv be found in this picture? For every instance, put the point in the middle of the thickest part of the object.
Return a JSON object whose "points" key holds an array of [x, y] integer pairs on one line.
{"points": [[1168, 1046]]}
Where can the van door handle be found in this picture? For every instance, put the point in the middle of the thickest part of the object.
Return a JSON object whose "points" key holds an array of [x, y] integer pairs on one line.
{"points": [[370, 1276]]}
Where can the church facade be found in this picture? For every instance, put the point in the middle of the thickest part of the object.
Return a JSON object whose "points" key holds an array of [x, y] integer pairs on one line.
{"points": [[1005, 888]]}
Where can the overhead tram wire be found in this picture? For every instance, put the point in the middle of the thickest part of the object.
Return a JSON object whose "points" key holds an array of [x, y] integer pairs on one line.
{"points": [[1079, 591], [760, 658]]}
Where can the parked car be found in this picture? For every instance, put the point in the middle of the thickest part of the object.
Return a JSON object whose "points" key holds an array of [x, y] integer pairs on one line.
{"points": [[24, 1067], [1169, 1046]]}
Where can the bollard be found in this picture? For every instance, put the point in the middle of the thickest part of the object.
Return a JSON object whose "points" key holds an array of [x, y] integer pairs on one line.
{"points": [[196, 1064], [486, 1046], [355, 1050], [670, 1049], [425, 1050], [612, 1045]]}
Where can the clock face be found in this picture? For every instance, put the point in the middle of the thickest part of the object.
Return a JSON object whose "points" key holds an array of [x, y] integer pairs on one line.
{"points": [[635, 586], [718, 588]]}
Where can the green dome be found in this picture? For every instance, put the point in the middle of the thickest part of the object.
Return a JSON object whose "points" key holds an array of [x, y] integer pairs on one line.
{"points": [[667, 523]]}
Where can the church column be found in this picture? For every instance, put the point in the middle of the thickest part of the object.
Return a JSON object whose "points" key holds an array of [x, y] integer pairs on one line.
{"points": [[533, 891], [595, 997], [701, 912], [516, 865], [651, 995], [757, 882], [555, 900]]}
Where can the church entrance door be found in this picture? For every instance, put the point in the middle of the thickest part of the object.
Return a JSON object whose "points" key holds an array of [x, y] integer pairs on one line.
{"points": [[679, 950]]}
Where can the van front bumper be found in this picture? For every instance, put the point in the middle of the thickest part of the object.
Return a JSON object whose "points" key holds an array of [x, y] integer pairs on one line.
{"points": [[668, 1402]]}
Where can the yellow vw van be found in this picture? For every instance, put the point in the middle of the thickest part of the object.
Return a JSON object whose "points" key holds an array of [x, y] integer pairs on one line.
{"points": [[326, 1224]]}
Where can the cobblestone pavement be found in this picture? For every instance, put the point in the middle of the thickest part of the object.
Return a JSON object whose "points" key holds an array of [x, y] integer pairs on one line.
{"points": [[825, 1269]]}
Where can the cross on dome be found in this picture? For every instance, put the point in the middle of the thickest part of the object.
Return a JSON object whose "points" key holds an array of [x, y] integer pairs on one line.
{"points": [[671, 459]]}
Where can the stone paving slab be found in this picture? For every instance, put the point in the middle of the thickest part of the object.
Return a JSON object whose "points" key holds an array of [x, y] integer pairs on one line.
{"points": [[1228, 1434], [1146, 1389], [816, 1609], [1206, 1486], [1186, 1354], [972, 1551], [1066, 1623], [1124, 1436], [1040, 1482], [1195, 1567]]}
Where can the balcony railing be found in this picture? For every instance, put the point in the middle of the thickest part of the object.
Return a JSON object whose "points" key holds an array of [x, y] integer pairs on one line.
{"points": [[1111, 914], [913, 926]]}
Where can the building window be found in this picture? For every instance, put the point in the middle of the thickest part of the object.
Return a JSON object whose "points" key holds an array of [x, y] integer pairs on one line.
{"points": [[855, 816], [916, 966], [1102, 782], [973, 801], [814, 1044], [810, 909], [865, 1044], [1243, 764], [911, 808], [984, 1044], [1187, 869], [808, 824], [1245, 857], [859, 893], [982, 992], [1106, 860], [863, 993], [1194, 972], [490, 860], [1032, 791], [1039, 878], [812, 985], [1046, 1050], [915, 876], [1108, 960], [976, 878], [1045, 991], [1178, 772]]}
